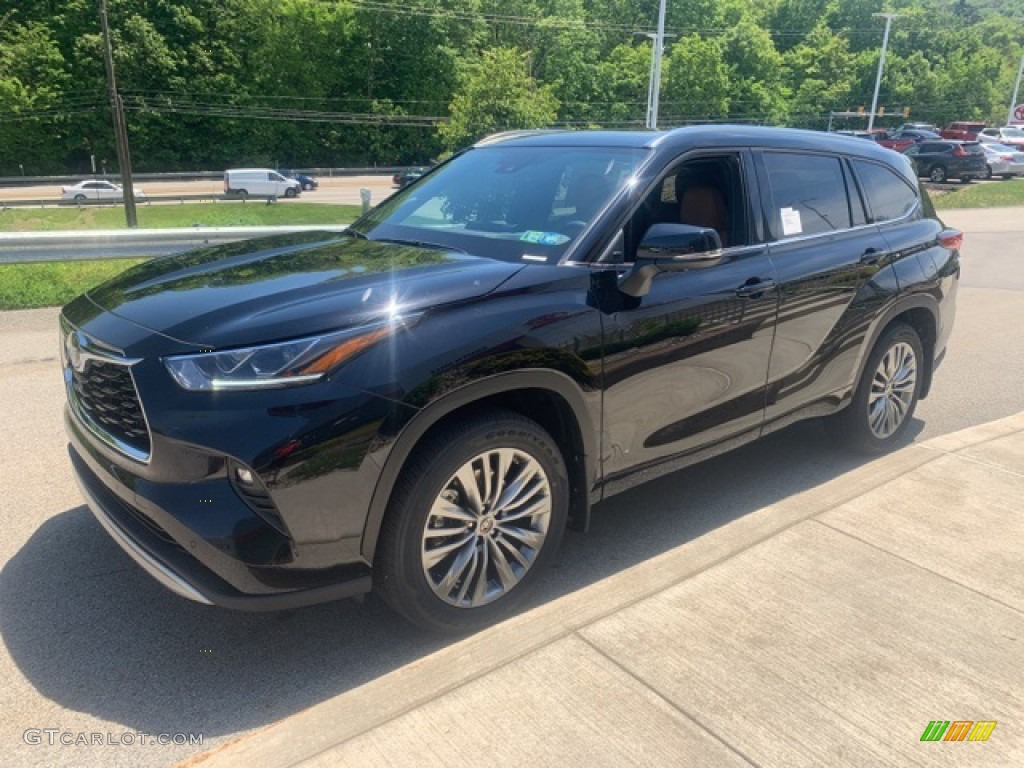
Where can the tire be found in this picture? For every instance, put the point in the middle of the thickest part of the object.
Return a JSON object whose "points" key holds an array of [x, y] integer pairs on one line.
{"points": [[937, 173], [855, 426], [306, 187], [242, 193], [290, 192], [988, 172], [79, 199], [1007, 176], [449, 592]]}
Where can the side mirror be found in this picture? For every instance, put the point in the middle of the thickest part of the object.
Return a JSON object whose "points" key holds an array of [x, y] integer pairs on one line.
{"points": [[671, 248]]}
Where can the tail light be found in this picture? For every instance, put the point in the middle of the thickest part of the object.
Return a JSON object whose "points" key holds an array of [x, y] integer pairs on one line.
{"points": [[951, 239], [1007, 158], [959, 151]]}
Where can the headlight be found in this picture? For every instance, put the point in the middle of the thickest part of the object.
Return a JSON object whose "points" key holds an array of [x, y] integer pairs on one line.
{"points": [[276, 365]]}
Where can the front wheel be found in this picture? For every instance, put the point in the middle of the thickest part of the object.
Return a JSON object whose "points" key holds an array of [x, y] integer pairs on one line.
{"points": [[886, 395], [937, 174], [290, 192], [476, 517]]}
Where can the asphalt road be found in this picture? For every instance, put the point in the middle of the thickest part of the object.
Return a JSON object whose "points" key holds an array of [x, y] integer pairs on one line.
{"points": [[91, 644], [337, 189]]}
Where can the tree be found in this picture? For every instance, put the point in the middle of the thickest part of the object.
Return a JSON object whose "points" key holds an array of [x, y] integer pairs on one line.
{"points": [[497, 95], [696, 81], [820, 76]]}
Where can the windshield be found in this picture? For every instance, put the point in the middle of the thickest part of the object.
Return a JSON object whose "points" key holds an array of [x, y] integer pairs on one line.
{"points": [[511, 203], [1015, 133]]}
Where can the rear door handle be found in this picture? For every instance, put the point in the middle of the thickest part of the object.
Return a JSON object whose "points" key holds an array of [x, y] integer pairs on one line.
{"points": [[753, 288], [873, 256]]}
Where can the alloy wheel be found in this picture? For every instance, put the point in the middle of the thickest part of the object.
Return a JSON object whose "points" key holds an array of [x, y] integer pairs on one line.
{"points": [[486, 527], [892, 390]]}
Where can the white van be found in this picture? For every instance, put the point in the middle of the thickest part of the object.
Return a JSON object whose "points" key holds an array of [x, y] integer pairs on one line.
{"points": [[243, 182]]}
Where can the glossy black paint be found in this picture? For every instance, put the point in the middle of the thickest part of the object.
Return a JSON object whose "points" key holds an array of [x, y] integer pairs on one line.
{"points": [[705, 360]]}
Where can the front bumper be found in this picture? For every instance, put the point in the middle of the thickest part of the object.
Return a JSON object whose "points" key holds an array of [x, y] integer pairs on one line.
{"points": [[186, 562]]}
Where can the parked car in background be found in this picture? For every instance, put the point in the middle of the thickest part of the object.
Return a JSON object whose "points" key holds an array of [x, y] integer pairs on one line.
{"points": [[963, 130], [1003, 160], [96, 190], [918, 127], [242, 182], [892, 140], [423, 403], [914, 134], [942, 160], [307, 182], [1008, 134], [409, 175]]}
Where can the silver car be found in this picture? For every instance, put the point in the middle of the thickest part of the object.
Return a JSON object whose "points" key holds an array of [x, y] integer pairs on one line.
{"points": [[1003, 160], [96, 190]]}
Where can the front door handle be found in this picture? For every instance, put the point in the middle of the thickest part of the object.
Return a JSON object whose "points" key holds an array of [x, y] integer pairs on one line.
{"points": [[754, 287], [873, 256]]}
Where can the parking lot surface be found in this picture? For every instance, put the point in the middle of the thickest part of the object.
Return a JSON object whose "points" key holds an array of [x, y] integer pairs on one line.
{"points": [[763, 567]]}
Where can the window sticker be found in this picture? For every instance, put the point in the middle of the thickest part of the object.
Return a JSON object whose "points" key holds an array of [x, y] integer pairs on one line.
{"points": [[791, 224], [544, 238]]}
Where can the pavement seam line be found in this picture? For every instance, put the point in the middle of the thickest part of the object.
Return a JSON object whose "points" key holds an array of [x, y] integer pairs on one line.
{"points": [[646, 685], [919, 566], [958, 453]]}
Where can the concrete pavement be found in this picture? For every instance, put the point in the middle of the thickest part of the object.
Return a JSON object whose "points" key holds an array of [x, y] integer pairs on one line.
{"points": [[828, 628]]}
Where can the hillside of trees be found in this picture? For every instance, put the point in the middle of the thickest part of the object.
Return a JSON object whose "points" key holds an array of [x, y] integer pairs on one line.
{"points": [[215, 83]]}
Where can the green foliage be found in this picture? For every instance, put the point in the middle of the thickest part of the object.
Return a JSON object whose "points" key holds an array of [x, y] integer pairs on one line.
{"points": [[498, 95], [211, 84]]}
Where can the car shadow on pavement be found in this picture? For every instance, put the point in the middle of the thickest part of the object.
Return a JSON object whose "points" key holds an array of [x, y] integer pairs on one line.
{"points": [[95, 634]]}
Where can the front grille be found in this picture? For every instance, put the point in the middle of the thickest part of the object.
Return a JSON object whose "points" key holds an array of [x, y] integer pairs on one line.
{"points": [[106, 395]]}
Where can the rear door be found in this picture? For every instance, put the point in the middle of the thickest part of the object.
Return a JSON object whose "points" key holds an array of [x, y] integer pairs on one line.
{"points": [[826, 256]]}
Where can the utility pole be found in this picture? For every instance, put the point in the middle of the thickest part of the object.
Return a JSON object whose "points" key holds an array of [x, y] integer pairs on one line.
{"points": [[657, 52], [881, 64], [120, 127], [1016, 89]]}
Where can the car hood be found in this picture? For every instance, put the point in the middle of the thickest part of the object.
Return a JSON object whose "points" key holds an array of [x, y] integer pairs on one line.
{"points": [[285, 286]]}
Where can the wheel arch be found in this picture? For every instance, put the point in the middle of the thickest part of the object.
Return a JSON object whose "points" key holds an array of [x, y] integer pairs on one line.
{"points": [[920, 312], [552, 399]]}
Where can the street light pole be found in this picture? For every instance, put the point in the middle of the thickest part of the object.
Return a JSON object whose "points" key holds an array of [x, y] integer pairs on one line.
{"points": [[120, 127], [1016, 89], [657, 52], [881, 64]]}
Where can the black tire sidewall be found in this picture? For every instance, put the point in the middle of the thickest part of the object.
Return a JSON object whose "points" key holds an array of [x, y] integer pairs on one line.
{"points": [[942, 172], [398, 571]]}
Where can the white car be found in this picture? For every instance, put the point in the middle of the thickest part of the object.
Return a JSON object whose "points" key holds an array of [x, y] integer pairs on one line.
{"points": [[96, 190], [1008, 134], [1003, 160]]}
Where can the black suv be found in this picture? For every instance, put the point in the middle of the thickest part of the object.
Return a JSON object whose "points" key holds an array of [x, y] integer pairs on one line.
{"points": [[946, 159], [428, 399]]}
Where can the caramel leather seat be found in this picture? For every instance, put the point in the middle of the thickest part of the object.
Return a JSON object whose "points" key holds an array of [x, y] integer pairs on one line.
{"points": [[704, 206]]}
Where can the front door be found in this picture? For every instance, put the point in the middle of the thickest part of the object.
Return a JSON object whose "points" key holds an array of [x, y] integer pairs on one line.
{"points": [[687, 366]]}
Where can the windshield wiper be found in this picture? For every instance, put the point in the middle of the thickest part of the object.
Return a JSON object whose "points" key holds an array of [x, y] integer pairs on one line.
{"points": [[419, 243]]}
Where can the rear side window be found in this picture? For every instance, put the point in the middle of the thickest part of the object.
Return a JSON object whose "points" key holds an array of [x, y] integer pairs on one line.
{"points": [[889, 195], [808, 194]]}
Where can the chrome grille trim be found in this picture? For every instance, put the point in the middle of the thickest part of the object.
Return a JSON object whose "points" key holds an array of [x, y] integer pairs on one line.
{"points": [[88, 350]]}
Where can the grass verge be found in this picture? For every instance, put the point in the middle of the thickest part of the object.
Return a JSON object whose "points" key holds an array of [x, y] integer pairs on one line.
{"points": [[993, 195], [233, 214], [48, 284]]}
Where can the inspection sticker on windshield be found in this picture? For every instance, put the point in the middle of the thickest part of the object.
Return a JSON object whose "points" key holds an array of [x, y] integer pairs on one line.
{"points": [[544, 238], [791, 224]]}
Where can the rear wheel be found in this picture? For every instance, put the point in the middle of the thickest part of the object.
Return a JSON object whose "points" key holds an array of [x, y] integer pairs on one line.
{"points": [[937, 173], [79, 199], [886, 395], [475, 518]]}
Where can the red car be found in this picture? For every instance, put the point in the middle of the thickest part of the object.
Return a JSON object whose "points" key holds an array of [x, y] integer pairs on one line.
{"points": [[964, 130], [896, 141]]}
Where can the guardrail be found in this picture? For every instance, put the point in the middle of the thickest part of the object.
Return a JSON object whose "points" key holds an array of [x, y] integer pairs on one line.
{"points": [[31, 181], [116, 201]]}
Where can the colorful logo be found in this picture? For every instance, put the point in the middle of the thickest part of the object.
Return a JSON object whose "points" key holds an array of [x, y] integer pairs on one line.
{"points": [[958, 730]]}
